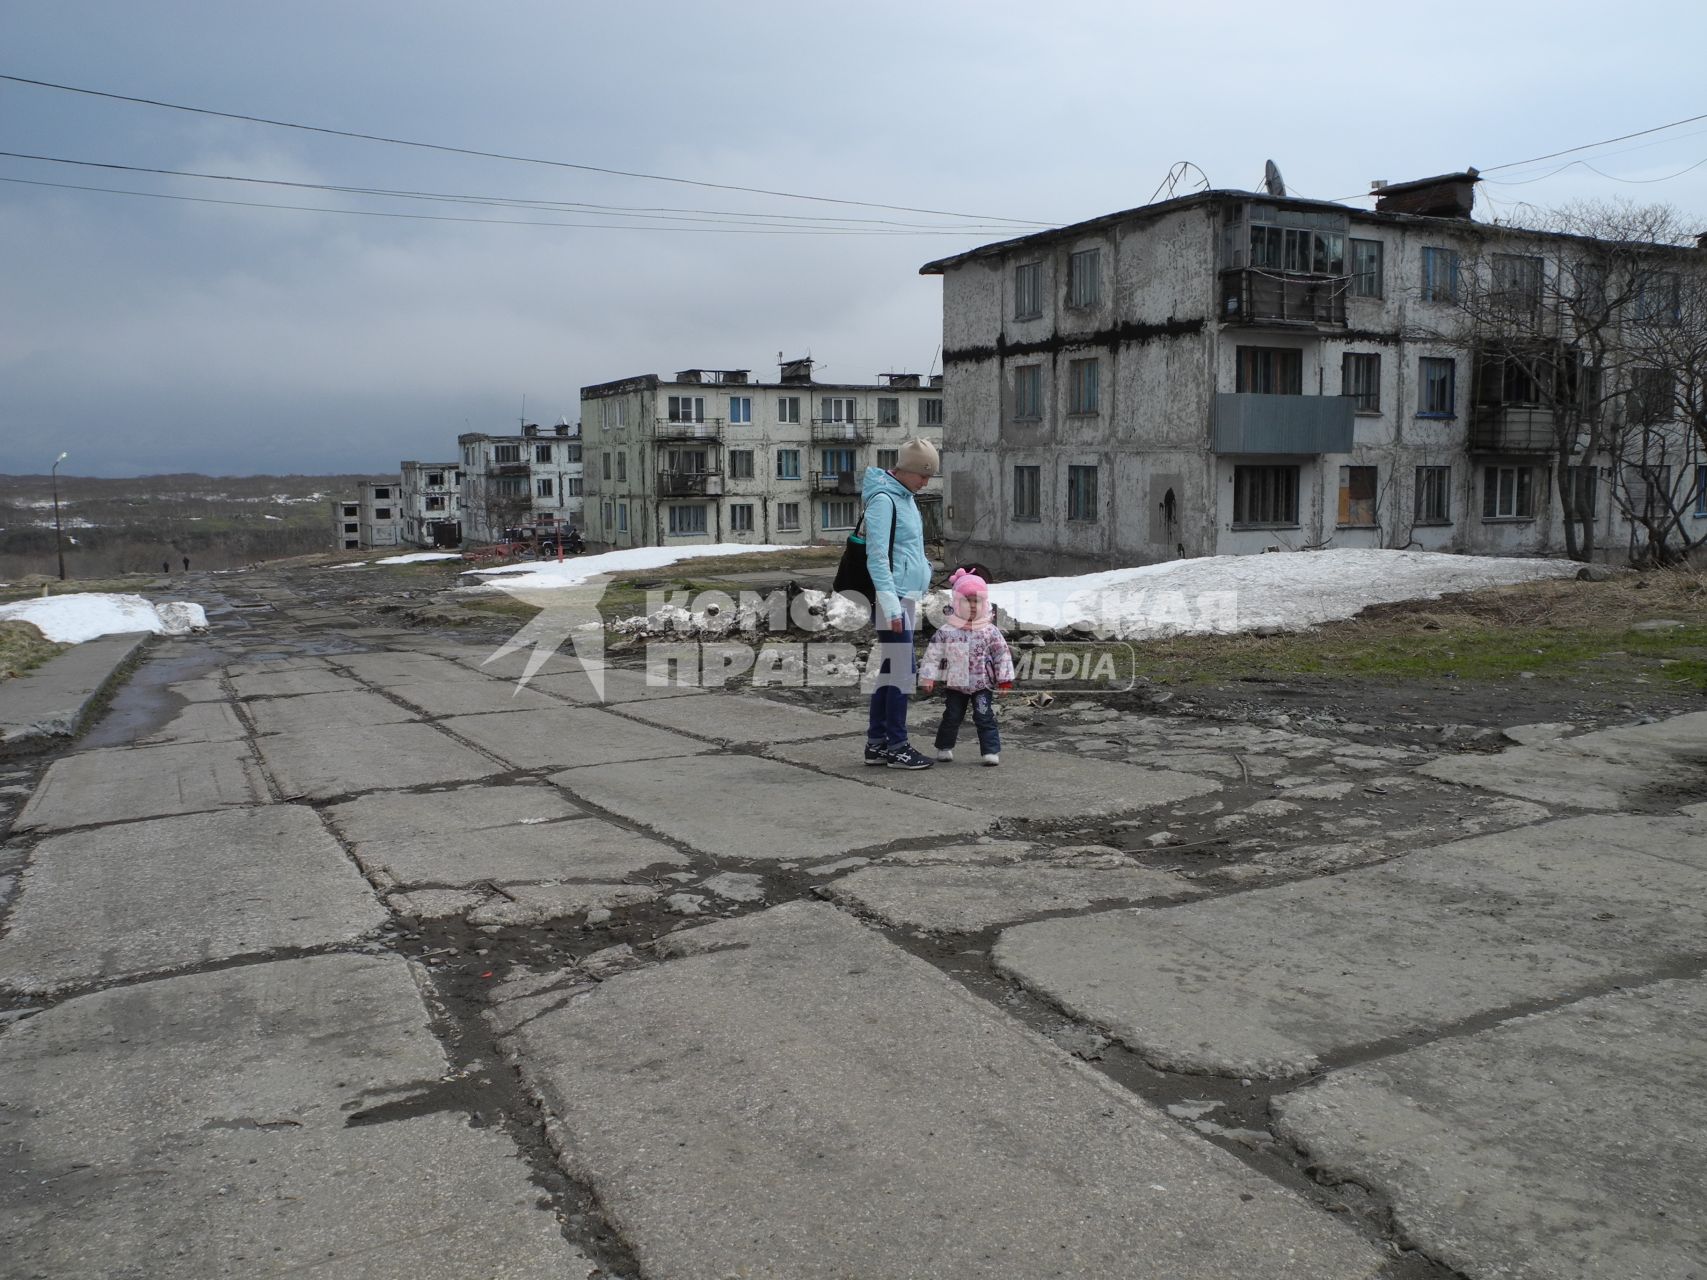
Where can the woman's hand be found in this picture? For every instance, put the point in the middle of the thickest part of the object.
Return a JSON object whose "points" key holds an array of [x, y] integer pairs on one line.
{"points": [[897, 623]]}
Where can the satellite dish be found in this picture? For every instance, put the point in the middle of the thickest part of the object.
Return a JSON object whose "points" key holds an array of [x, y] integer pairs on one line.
{"points": [[1272, 182]]}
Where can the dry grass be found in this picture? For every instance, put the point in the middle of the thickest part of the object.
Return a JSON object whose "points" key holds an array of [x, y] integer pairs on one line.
{"points": [[22, 646]]}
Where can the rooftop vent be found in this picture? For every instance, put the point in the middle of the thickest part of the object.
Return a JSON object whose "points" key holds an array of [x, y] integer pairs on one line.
{"points": [[1449, 195]]}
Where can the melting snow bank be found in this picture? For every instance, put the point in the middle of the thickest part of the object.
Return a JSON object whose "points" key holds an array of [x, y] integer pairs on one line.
{"points": [[1226, 594], [421, 557], [72, 619], [543, 575]]}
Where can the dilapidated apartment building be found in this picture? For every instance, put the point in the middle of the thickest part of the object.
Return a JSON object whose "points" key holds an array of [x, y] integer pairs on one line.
{"points": [[531, 479], [373, 518], [431, 504], [714, 456], [1235, 372]]}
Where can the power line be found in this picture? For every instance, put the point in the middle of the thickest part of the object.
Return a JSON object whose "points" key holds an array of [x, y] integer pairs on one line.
{"points": [[508, 222], [1552, 155], [513, 202], [498, 155]]}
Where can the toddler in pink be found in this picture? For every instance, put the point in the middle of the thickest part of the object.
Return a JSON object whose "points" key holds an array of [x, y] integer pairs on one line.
{"points": [[969, 655]]}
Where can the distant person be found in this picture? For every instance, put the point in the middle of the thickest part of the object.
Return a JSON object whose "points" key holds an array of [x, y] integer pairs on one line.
{"points": [[971, 658], [166, 566], [186, 564], [900, 574]]}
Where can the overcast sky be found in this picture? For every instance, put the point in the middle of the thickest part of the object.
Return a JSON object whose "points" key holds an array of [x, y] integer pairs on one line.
{"points": [[146, 335]]}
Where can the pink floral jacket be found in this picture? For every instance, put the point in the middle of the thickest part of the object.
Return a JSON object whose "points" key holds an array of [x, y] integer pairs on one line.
{"points": [[968, 658]]}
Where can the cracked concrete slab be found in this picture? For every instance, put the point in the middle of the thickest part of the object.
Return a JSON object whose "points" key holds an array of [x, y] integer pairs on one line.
{"points": [[965, 899], [201, 689], [1564, 1144], [1274, 981], [202, 722], [1624, 768], [401, 666], [584, 849], [198, 1127], [472, 695], [165, 894], [619, 685], [118, 783], [399, 815], [324, 712], [866, 1101], [345, 758], [749, 808], [737, 718], [1045, 785], [537, 904], [565, 737], [292, 681]]}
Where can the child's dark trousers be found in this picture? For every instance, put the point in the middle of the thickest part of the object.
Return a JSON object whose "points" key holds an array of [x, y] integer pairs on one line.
{"points": [[983, 704]]}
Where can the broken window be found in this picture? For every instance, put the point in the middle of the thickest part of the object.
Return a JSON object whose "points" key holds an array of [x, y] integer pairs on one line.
{"points": [[1366, 281], [1265, 497], [1437, 387], [382, 493], [1084, 278], [1434, 495], [1084, 391], [1028, 392], [1439, 275], [686, 521], [1270, 371], [435, 479], [1082, 493], [382, 513], [1028, 290], [435, 502], [741, 517], [1508, 493], [1360, 378], [1027, 493], [350, 528], [1357, 496]]}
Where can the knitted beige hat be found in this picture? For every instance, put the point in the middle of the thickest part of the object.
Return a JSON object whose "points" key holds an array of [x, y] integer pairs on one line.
{"points": [[918, 456]]}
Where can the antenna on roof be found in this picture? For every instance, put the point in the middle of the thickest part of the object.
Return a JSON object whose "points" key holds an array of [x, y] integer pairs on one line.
{"points": [[1176, 175], [1272, 182]]}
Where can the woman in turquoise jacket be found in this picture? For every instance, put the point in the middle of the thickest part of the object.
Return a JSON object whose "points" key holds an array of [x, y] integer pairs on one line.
{"points": [[900, 575]]}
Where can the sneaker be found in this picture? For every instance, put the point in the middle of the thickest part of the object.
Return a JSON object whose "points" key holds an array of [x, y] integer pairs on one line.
{"points": [[905, 757], [944, 754], [876, 753], [992, 758]]}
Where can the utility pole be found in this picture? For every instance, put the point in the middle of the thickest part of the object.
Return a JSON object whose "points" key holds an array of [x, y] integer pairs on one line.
{"points": [[58, 542]]}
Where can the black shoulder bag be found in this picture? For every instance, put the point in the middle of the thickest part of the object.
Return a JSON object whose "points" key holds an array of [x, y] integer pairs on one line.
{"points": [[853, 575]]}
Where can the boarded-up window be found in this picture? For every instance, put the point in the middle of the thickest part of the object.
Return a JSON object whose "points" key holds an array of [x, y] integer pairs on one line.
{"points": [[1357, 496]]}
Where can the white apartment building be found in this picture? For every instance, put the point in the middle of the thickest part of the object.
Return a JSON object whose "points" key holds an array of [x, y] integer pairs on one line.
{"points": [[372, 519], [431, 494], [713, 456], [1236, 372], [530, 479]]}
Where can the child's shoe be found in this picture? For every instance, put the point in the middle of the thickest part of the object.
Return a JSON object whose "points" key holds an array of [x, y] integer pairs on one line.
{"points": [[992, 758], [944, 754]]}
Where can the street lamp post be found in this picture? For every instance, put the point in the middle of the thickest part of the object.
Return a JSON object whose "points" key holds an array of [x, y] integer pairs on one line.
{"points": [[58, 542]]}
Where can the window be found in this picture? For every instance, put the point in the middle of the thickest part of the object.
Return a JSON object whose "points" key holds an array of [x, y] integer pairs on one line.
{"points": [[572, 486], [1084, 283], [542, 453], [1657, 299], [1028, 484], [1440, 275], [687, 408], [1651, 396], [1360, 378], [888, 459], [888, 411], [622, 466], [685, 521], [571, 453], [1701, 489], [613, 413], [1320, 253], [1436, 386], [1508, 493], [788, 409], [1434, 495], [435, 479], [542, 488], [604, 464], [788, 516], [837, 461], [1270, 371], [622, 517], [839, 513], [1028, 290], [740, 409], [1084, 392], [837, 409], [741, 517], [788, 464], [1081, 493], [740, 464], [505, 453], [350, 528], [1517, 283], [1366, 269], [382, 493], [1028, 392], [693, 462], [350, 544], [382, 513], [1584, 485], [930, 412], [1265, 496], [609, 520], [1357, 496], [351, 509], [510, 487], [1653, 484]]}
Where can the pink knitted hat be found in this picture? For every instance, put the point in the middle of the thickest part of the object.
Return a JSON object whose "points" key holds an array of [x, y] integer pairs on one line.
{"points": [[968, 584]]}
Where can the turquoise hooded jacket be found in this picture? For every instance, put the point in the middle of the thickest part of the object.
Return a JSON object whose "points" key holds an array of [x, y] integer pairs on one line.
{"points": [[889, 505]]}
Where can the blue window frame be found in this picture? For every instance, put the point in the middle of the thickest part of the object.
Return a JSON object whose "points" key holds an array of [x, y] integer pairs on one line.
{"points": [[740, 409], [1701, 489]]}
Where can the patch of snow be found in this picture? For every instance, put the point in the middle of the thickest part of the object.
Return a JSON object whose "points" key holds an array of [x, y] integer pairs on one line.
{"points": [[72, 619], [354, 564], [420, 557], [278, 518], [547, 574]]}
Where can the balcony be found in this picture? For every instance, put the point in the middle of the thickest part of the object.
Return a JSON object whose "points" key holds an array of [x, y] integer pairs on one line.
{"points": [[1512, 428], [841, 431], [521, 468], [1249, 423], [1282, 300], [690, 484], [709, 429], [844, 484]]}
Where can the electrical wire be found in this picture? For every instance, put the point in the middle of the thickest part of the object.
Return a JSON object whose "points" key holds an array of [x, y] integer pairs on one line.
{"points": [[498, 155], [1610, 177], [1551, 155]]}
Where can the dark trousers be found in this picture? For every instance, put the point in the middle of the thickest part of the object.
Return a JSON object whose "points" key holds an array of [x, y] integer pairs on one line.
{"points": [[895, 678], [983, 704]]}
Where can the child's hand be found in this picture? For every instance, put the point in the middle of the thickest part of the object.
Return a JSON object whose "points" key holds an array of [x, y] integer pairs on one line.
{"points": [[1005, 686]]}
